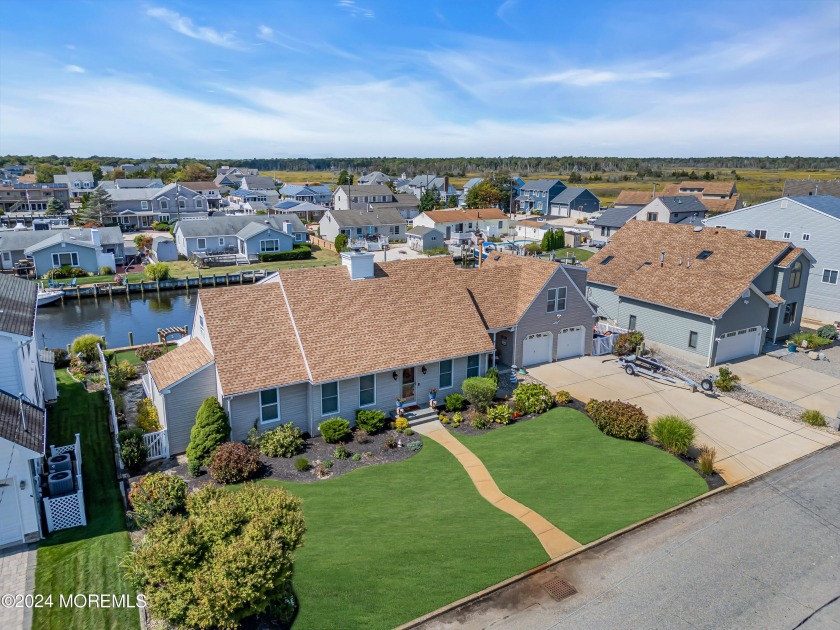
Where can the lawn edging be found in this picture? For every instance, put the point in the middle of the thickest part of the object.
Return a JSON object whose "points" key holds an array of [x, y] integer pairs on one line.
{"points": [[415, 623]]}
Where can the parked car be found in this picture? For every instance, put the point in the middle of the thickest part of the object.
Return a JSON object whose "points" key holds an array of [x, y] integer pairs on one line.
{"points": [[593, 217]]}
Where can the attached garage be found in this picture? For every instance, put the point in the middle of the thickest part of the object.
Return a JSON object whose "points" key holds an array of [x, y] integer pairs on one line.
{"points": [[738, 344], [536, 349], [571, 342]]}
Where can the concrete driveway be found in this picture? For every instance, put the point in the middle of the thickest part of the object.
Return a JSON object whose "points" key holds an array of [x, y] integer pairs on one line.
{"points": [[804, 387], [749, 441]]}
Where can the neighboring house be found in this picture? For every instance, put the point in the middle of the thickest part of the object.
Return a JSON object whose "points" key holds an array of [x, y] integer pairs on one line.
{"points": [[705, 295], [634, 199], [313, 193], [357, 224], [717, 196], [15, 245], [376, 178], [462, 198], [810, 222], [125, 183], [421, 238], [571, 200], [612, 220], [212, 192], [140, 207], [31, 199], [237, 171], [170, 166], [283, 367], [230, 181], [533, 229], [811, 187], [248, 200], [360, 197], [420, 184], [306, 212], [536, 195], [257, 182], [130, 168], [488, 221], [248, 236], [164, 249], [681, 209], [78, 183]]}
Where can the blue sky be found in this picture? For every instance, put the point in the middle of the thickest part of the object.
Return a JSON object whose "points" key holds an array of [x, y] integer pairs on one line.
{"points": [[456, 78]]}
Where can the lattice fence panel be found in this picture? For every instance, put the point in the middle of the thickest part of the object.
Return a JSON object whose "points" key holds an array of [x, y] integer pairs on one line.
{"points": [[65, 511]]}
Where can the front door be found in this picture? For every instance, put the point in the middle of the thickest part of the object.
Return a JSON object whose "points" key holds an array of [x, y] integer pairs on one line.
{"points": [[408, 384]]}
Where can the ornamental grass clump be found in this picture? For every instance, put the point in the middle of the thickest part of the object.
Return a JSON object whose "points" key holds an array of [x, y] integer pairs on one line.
{"points": [[619, 419], [706, 461], [674, 433], [85, 347], [813, 417]]}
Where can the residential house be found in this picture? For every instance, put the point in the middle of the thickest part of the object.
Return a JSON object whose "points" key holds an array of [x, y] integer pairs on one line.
{"points": [[16, 169], [211, 191], [634, 199], [232, 175], [137, 182], [306, 212], [30, 200], [534, 229], [360, 197], [257, 182], [247, 236], [363, 224], [406, 204], [811, 187], [811, 222], [163, 249], [78, 183], [313, 193], [80, 248], [130, 168], [304, 359], [487, 221], [168, 166], [573, 200], [251, 201], [376, 178], [705, 295], [717, 196], [680, 209], [140, 207], [536, 195], [462, 198], [421, 183], [422, 239], [612, 220]]}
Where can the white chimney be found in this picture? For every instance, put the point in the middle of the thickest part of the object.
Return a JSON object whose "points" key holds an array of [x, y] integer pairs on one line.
{"points": [[94, 236], [359, 263], [287, 227]]}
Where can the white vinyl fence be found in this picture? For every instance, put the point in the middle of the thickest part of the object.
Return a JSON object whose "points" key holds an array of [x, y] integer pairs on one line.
{"points": [[604, 345], [67, 510]]}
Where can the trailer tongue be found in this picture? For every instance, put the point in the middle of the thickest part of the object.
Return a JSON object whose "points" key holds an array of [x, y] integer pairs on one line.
{"points": [[651, 367]]}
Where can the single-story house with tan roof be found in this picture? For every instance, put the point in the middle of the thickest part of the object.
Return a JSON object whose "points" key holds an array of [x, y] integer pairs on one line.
{"points": [[304, 359], [488, 221], [702, 294]]}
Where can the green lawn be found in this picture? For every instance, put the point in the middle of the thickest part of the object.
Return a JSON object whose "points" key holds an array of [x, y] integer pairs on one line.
{"points": [[387, 544], [85, 559], [131, 356], [581, 254], [589, 485]]}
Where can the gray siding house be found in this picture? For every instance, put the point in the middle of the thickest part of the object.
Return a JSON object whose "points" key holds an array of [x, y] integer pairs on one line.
{"points": [[701, 294], [387, 222], [140, 207], [423, 238], [570, 200], [811, 222], [76, 247], [248, 235]]}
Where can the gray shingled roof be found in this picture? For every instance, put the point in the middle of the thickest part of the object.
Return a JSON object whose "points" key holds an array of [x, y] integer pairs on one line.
{"points": [[257, 182], [72, 176], [366, 190], [422, 230], [24, 239], [811, 187], [569, 195], [615, 217], [252, 229], [541, 184], [684, 203], [11, 423], [231, 225], [360, 218], [18, 298]]}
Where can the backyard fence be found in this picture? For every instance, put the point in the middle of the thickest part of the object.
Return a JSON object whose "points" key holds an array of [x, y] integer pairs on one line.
{"points": [[604, 345], [157, 445], [112, 412], [321, 243], [67, 510]]}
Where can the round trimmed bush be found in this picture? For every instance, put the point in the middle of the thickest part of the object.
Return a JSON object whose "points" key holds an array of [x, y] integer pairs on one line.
{"points": [[282, 441], [619, 419], [301, 464], [157, 494], [233, 462], [562, 397], [533, 398], [480, 391], [335, 430], [370, 420], [827, 332], [674, 433]]}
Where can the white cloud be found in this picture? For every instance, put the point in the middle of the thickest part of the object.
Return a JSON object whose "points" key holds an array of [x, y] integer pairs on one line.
{"points": [[586, 77], [184, 25], [354, 9], [72, 68]]}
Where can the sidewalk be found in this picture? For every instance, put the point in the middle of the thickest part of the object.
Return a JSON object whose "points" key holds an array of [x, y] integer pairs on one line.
{"points": [[17, 577]]}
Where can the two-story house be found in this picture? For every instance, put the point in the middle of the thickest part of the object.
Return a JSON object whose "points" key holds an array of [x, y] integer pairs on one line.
{"points": [[360, 197], [212, 192], [680, 209], [573, 202], [22, 202], [536, 195], [78, 183], [140, 207]]}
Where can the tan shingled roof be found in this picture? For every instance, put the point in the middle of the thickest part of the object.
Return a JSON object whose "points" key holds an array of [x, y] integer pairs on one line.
{"points": [[454, 216], [778, 299], [792, 255], [707, 287], [178, 363], [634, 198], [711, 188]]}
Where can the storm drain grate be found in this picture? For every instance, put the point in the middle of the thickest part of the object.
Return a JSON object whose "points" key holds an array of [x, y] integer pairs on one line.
{"points": [[559, 589]]}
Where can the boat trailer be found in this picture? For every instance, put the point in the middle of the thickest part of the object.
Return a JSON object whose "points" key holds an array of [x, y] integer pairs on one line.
{"points": [[639, 365]]}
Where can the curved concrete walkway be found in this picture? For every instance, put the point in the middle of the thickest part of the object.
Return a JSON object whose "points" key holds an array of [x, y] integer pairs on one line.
{"points": [[554, 541]]}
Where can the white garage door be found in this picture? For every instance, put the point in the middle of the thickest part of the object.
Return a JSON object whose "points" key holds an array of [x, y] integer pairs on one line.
{"points": [[536, 349], [570, 342], [9, 514], [737, 344]]}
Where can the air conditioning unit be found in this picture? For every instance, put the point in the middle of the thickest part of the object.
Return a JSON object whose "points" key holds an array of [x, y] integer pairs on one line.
{"points": [[60, 483], [57, 463]]}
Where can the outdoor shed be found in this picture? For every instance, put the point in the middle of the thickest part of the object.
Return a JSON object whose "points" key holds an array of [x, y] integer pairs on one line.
{"points": [[423, 238], [164, 249]]}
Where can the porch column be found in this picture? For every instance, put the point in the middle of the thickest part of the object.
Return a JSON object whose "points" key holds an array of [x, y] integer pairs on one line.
{"points": [[494, 349]]}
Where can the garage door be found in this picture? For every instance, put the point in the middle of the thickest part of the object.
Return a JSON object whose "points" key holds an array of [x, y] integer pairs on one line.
{"points": [[9, 514], [536, 349], [570, 342], [737, 344]]}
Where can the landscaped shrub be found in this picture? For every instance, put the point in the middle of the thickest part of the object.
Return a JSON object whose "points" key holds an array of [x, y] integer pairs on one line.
{"points": [[157, 271], [500, 414], [562, 397], [619, 419], [591, 406], [122, 373], [454, 402], [814, 340], [77, 367], [356, 457], [674, 433], [282, 441], [533, 398], [143, 241], [157, 494], [813, 417], [147, 416], [66, 272], [194, 468], [85, 346], [726, 380], [401, 424], [133, 451], [62, 358], [827, 332], [160, 226], [334, 430], [706, 461], [479, 391], [340, 242], [533, 248], [480, 421], [106, 271], [301, 464], [211, 429], [493, 373], [227, 559], [628, 343], [414, 445], [299, 252], [457, 419], [341, 452], [233, 462], [148, 352], [370, 420], [408, 431]]}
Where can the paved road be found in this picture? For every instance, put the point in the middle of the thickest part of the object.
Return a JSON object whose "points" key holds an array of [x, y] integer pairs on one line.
{"points": [[765, 555]]}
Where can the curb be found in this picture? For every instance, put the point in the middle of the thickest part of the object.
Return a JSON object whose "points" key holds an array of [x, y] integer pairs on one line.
{"points": [[475, 597]]}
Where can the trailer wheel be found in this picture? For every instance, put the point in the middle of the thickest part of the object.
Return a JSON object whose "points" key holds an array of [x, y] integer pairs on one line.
{"points": [[706, 384], [629, 369]]}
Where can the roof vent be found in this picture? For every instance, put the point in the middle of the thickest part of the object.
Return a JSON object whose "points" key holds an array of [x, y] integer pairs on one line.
{"points": [[699, 228], [607, 259]]}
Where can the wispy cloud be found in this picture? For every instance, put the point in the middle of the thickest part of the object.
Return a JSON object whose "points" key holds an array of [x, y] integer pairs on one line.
{"points": [[585, 77], [72, 68], [184, 25], [354, 9], [504, 10], [284, 40]]}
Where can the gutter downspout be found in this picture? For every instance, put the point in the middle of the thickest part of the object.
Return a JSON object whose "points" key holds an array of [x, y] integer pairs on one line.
{"points": [[776, 327], [711, 342]]}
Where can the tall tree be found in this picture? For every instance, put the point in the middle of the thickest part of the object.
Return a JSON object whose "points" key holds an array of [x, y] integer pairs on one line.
{"points": [[54, 207], [344, 178], [484, 194], [44, 173], [453, 202], [96, 209], [195, 172], [88, 165], [430, 199]]}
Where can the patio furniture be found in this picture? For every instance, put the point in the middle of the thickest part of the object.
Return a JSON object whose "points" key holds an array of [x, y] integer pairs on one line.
{"points": [[72, 282]]}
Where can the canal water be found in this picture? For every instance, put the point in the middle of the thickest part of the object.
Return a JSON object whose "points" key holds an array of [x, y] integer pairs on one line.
{"points": [[113, 318]]}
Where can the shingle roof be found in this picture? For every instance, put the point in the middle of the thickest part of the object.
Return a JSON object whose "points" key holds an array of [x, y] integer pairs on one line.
{"points": [[178, 363], [422, 230], [366, 190], [11, 423], [790, 257], [806, 187], [722, 205], [569, 195], [18, 298], [73, 176], [252, 229], [615, 217], [36, 240], [683, 203], [824, 203], [360, 218], [230, 225], [456, 216], [710, 188], [541, 184], [199, 186], [257, 182], [634, 198]]}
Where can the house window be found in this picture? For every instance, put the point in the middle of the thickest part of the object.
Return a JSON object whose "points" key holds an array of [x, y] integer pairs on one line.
{"points": [[806, 237], [221, 240], [632, 323], [329, 398], [445, 381], [829, 276], [164, 218], [164, 204], [786, 235], [604, 231], [500, 224], [692, 339], [198, 202], [556, 300], [144, 205], [760, 233], [367, 390], [299, 236], [472, 365], [271, 245], [652, 216], [65, 259], [359, 231], [795, 275], [269, 405], [182, 204], [201, 322], [790, 313], [201, 243]]}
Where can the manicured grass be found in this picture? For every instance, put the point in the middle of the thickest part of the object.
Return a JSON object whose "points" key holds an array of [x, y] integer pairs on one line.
{"points": [[589, 485], [131, 356], [85, 559], [387, 544], [581, 254]]}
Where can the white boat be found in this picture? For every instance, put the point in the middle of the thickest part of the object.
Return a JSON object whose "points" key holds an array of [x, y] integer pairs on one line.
{"points": [[48, 296]]}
